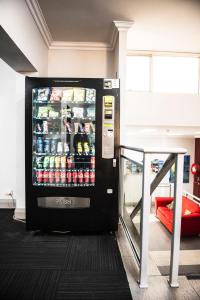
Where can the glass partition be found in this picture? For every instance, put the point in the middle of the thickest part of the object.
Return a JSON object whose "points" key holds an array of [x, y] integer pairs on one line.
{"points": [[133, 173]]}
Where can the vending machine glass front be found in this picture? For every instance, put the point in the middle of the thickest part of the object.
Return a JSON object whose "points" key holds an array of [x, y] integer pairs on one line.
{"points": [[63, 126]]}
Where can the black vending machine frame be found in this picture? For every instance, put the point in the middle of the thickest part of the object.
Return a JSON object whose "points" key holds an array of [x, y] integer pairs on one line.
{"points": [[102, 215]]}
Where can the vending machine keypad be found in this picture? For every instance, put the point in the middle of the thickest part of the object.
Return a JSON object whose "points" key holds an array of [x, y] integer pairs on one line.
{"points": [[108, 127]]}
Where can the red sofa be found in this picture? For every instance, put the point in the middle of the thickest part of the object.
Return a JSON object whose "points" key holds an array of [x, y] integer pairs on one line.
{"points": [[190, 221]]}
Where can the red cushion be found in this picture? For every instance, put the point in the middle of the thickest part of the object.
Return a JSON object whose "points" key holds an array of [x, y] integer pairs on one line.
{"points": [[166, 212], [189, 205]]}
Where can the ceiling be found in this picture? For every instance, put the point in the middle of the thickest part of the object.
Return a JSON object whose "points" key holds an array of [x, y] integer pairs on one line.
{"points": [[84, 20]]}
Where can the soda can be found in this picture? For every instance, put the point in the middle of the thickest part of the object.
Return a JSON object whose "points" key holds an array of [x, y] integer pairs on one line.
{"points": [[39, 176], [53, 146], [39, 146], [52, 162], [69, 176], [46, 145], [39, 162], [57, 176], [51, 176], [66, 148], [46, 162], [45, 176], [92, 162], [63, 176], [86, 176], [92, 177], [69, 162], [63, 162], [57, 162], [60, 147], [80, 176], [74, 176], [45, 127]]}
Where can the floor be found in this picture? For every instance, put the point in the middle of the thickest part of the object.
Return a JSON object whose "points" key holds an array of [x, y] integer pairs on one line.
{"points": [[58, 266], [158, 285]]}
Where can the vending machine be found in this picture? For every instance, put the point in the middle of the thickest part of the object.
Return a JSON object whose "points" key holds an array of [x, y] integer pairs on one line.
{"points": [[72, 139]]}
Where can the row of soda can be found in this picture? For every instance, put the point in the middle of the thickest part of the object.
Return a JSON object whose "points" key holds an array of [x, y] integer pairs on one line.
{"points": [[59, 162], [75, 176]]}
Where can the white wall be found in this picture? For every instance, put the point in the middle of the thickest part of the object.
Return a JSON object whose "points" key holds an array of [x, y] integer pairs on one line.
{"points": [[77, 63], [167, 25], [12, 127], [7, 130], [20, 141], [143, 108], [17, 21]]}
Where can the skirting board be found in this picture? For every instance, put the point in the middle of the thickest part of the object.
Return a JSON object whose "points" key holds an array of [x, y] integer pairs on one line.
{"points": [[20, 213], [6, 203]]}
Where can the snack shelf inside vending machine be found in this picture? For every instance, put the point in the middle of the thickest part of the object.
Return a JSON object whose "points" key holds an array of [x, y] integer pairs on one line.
{"points": [[63, 121]]}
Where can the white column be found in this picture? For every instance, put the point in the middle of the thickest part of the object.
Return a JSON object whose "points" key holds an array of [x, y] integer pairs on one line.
{"points": [[175, 243], [144, 223], [121, 46]]}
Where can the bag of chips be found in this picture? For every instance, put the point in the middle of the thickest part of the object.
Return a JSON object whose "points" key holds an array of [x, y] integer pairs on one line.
{"points": [[68, 95], [56, 94], [79, 95], [42, 94], [90, 95]]}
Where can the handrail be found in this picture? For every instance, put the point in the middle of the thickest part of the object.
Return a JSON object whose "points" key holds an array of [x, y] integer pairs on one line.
{"points": [[133, 161], [155, 149], [175, 155]]}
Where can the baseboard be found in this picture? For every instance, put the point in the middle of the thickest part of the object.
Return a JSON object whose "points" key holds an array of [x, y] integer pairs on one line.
{"points": [[6, 203], [20, 213]]}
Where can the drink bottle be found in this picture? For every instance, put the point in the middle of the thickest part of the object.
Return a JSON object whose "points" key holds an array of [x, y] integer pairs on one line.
{"points": [[57, 162], [57, 176], [51, 176], [52, 162], [69, 162], [46, 177], [63, 176], [53, 146], [46, 145], [80, 176], [60, 148], [86, 176], [46, 162], [39, 146], [63, 162], [39, 162], [39, 176], [69, 176], [74, 176], [92, 176], [92, 162]]}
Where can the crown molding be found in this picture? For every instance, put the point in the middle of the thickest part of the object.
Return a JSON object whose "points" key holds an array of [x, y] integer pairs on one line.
{"points": [[40, 21], [114, 36], [61, 45], [123, 25]]}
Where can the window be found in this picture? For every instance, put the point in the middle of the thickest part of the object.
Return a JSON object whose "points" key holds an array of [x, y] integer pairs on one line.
{"points": [[138, 73], [175, 74]]}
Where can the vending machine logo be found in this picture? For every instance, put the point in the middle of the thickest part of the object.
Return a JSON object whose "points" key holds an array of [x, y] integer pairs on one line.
{"points": [[64, 202]]}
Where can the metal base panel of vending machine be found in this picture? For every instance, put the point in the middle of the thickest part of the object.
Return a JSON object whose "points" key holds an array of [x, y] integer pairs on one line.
{"points": [[72, 138]]}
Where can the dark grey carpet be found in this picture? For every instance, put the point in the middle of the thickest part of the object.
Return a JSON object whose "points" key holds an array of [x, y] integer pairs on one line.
{"points": [[56, 266]]}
